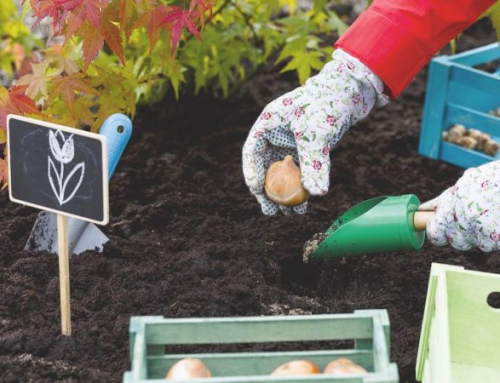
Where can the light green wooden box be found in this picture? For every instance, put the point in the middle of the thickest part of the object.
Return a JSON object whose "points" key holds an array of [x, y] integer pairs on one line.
{"points": [[369, 329], [460, 338]]}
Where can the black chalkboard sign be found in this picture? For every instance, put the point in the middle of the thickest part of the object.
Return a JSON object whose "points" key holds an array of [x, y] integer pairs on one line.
{"points": [[58, 169]]}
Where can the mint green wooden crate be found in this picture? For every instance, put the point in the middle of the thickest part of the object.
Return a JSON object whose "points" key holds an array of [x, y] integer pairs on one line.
{"points": [[369, 329], [460, 338]]}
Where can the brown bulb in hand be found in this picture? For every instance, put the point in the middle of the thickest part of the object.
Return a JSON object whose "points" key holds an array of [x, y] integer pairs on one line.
{"points": [[283, 183]]}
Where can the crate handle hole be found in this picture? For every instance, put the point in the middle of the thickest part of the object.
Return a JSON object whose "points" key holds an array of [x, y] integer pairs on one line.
{"points": [[494, 300]]}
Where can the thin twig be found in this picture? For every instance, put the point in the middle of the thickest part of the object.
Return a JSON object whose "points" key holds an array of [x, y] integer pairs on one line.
{"points": [[247, 21]]}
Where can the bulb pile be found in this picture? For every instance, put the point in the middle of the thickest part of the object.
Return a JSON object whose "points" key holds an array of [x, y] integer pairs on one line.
{"points": [[472, 139], [192, 368]]}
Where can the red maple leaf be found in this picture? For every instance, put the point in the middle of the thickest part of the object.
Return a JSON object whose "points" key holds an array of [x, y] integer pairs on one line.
{"points": [[75, 12], [15, 102], [153, 20], [179, 19], [203, 5], [85, 9], [21, 102], [93, 42], [49, 8]]}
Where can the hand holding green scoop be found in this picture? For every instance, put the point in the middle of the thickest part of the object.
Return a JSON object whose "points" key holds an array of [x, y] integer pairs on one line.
{"points": [[381, 224]]}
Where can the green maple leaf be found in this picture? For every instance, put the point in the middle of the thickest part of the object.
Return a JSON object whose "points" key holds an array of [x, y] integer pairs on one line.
{"points": [[303, 63], [494, 14]]}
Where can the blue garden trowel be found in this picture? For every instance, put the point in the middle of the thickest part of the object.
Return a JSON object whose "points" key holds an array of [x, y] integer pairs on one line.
{"points": [[82, 235]]}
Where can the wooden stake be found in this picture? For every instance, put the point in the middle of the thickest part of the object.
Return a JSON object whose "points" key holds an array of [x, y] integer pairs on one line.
{"points": [[62, 240]]}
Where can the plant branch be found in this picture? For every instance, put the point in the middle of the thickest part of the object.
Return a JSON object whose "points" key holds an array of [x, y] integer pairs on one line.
{"points": [[247, 21], [222, 7]]}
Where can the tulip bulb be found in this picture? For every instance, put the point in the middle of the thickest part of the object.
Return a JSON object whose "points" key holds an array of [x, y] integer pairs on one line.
{"points": [[491, 147], [342, 367], [283, 183], [455, 133], [296, 368], [187, 369], [467, 142]]}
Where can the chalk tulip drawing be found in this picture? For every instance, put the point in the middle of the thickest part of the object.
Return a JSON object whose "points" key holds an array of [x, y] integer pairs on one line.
{"points": [[63, 150]]}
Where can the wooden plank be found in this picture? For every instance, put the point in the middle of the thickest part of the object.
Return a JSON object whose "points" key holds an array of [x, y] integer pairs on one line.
{"points": [[466, 373], [463, 157], [320, 378], [259, 329], [434, 108], [262, 363], [139, 360], [64, 287], [380, 351], [433, 358], [423, 346], [439, 353], [474, 325], [478, 56], [471, 118], [479, 92]]}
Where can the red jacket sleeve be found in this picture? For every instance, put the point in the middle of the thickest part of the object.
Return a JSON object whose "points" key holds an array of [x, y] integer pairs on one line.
{"points": [[396, 38]]}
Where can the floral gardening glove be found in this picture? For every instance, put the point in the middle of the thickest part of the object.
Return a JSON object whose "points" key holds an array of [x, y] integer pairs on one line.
{"points": [[307, 123], [468, 214]]}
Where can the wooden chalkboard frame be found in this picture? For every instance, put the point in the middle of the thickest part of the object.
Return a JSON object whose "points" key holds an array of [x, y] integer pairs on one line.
{"points": [[76, 132]]}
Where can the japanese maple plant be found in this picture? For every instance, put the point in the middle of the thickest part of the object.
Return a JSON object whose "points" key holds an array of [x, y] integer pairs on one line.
{"points": [[105, 56], [63, 82]]}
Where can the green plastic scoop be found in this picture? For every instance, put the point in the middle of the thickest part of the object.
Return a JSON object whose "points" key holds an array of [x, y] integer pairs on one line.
{"points": [[382, 224]]}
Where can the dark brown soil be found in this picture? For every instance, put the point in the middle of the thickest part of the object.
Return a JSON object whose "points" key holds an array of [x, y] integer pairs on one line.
{"points": [[188, 240]]}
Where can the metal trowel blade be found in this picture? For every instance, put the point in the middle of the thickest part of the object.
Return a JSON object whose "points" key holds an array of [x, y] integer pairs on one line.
{"points": [[82, 236]]}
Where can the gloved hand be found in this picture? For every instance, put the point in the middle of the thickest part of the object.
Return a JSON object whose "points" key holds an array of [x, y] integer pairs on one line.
{"points": [[307, 123], [468, 214]]}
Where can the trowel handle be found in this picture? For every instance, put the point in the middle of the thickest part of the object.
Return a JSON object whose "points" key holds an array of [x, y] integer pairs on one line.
{"points": [[117, 128], [421, 218]]}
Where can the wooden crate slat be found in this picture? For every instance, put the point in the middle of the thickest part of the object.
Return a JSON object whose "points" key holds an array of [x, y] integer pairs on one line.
{"points": [[480, 55], [463, 157], [139, 359], [319, 378], [458, 114], [459, 342], [259, 329], [468, 307], [434, 107], [479, 96], [380, 351], [475, 78], [235, 364]]}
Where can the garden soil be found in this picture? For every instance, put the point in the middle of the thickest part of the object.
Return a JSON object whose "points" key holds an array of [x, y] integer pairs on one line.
{"points": [[188, 239]]}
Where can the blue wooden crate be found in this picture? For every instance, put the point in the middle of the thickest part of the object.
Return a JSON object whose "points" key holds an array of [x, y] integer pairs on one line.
{"points": [[458, 93]]}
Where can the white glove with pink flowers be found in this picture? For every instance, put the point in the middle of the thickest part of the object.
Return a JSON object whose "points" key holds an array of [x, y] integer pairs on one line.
{"points": [[307, 123], [468, 214]]}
